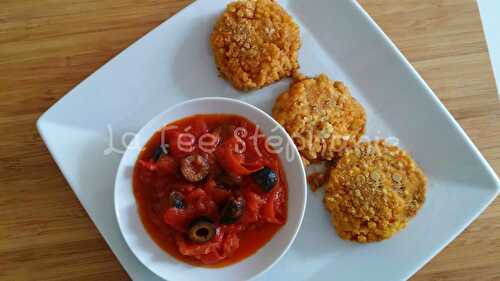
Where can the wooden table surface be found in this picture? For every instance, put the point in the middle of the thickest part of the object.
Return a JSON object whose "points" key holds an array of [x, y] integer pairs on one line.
{"points": [[49, 46]]}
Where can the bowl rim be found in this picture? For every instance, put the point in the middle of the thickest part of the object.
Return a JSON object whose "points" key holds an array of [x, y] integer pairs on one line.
{"points": [[296, 156]]}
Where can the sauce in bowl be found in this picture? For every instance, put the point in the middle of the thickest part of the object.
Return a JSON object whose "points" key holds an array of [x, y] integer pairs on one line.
{"points": [[209, 189]]}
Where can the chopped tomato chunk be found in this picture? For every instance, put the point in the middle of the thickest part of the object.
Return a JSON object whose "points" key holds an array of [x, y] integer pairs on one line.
{"points": [[178, 219], [232, 160], [166, 165]]}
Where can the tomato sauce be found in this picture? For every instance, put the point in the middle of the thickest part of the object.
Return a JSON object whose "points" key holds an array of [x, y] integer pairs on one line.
{"points": [[216, 170]]}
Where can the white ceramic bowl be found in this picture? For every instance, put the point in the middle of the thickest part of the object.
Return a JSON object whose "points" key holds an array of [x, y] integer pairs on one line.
{"points": [[161, 262]]}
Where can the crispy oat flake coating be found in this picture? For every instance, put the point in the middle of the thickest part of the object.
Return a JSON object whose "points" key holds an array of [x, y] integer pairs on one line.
{"points": [[321, 116], [255, 42], [373, 191]]}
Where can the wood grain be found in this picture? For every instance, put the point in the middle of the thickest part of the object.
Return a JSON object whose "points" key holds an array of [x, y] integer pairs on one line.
{"points": [[48, 46]]}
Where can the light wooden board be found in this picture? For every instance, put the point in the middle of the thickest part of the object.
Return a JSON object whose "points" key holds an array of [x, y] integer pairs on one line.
{"points": [[48, 46]]}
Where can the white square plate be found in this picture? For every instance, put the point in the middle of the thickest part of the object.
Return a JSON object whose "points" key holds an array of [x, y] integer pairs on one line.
{"points": [[173, 63]]}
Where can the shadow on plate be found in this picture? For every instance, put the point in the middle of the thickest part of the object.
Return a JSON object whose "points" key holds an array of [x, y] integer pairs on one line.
{"points": [[194, 68], [321, 237], [97, 176]]}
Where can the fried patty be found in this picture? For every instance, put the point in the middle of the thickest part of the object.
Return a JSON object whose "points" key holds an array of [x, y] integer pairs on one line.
{"points": [[373, 191], [255, 42], [321, 116]]}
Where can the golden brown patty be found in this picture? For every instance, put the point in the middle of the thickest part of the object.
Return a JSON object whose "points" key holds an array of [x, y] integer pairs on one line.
{"points": [[373, 191], [255, 43], [321, 116]]}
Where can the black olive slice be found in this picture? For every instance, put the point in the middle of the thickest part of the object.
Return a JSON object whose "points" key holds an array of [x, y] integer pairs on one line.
{"points": [[194, 167], [266, 178], [201, 231], [159, 152], [233, 209], [176, 200]]}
